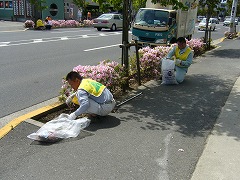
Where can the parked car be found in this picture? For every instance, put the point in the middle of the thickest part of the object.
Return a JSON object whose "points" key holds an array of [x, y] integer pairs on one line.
{"points": [[110, 21], [200, 18], [211, 24], [236, 21], [227, 22], [216, 20]]}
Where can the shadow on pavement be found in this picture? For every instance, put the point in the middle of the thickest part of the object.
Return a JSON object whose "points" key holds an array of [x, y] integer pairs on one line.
{"points": [[226, 53], [192, 107], [104, 123]]}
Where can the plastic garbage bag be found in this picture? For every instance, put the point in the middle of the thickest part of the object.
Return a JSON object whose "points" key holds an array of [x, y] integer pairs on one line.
{"points": [[168, 72], [60, 128]]}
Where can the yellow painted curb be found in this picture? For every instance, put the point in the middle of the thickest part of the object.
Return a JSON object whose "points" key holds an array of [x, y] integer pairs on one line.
{"points": [[12, 124], [222, 39]]}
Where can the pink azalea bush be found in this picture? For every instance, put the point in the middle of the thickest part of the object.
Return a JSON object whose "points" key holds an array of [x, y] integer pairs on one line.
{"points": [[29, 24], [150, 59], [87, 22], [65, 23], [230, 35], [111, 73], [55, 23], [197, 46]]}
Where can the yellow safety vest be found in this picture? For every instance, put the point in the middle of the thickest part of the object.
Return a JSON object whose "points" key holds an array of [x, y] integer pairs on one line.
{"points": [[92, 87], [184, 56], [40, 23]]}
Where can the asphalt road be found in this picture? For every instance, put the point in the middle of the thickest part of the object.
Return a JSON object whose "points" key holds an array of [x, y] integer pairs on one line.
{"points": [[33, 62], [218, 33]]}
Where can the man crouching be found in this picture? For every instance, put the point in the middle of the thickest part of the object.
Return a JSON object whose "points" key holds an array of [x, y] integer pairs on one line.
{"points": [[93, 97]]}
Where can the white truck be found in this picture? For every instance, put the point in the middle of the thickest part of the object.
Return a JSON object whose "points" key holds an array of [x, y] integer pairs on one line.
{"points": [[156, 25]]}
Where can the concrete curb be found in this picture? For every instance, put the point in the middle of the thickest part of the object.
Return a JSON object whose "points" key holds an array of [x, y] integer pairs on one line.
{"points": [[8, 124]]}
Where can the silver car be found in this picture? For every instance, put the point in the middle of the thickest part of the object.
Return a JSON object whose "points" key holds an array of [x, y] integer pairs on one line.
{"points": [[211, 24], [228, 20], [108, 21]]}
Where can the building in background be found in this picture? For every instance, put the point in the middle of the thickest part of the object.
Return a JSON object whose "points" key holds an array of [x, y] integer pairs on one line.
{"points": [[21, 10]]}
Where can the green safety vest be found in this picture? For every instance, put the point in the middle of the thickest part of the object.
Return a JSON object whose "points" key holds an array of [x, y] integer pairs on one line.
{"points": [[92, 87]]}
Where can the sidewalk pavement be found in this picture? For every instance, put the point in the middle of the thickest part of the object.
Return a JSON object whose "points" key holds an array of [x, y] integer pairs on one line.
{"points": [[221, 158]]}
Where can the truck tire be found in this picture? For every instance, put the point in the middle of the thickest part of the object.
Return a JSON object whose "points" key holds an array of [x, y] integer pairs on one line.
{"points": [[99, 29]]}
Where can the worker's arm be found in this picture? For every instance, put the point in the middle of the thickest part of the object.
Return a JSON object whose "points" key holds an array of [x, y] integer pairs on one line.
{"points": [[171, 53], [83, 104]]}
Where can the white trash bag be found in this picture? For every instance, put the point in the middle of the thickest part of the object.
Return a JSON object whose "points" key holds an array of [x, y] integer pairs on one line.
{"points": [[60, 128], [168, 72]]}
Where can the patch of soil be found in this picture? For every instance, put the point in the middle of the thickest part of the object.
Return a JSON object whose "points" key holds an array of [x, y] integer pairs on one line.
{"points": [[48, 116]]}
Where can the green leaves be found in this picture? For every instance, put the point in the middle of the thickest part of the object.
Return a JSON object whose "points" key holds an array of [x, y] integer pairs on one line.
{"points": [[39, 5], [81, 3]]}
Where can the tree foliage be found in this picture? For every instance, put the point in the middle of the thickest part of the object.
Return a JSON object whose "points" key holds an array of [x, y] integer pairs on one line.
{"points": [[136, 4], [39, 5], [175, 3], [81, 3]]}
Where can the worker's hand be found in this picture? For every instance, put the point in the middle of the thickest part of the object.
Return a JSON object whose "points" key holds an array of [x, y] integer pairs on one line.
{"points": [[178, 62], [72, 116], [69, 98]]}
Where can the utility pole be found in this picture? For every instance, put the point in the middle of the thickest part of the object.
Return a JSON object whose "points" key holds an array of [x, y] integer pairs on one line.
{"points": [[125, 43], [232, 27]]}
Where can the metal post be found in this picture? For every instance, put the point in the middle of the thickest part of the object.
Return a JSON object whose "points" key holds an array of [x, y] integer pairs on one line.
{"points": [[125, 41], [232, 27], [209, 39], [138, 63]]}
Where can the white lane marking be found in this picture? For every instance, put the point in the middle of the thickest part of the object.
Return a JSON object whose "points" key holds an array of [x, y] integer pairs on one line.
{"points": [[58, 32], [53, 39], [64, 38], [37, 40], [103, 47], [4, 43]]}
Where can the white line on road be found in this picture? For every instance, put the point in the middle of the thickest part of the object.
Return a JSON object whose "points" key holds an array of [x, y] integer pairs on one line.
{"points": [[68, 31], [64, 38], [4, 43], [103, 47], [37, 40], [53, 39]]}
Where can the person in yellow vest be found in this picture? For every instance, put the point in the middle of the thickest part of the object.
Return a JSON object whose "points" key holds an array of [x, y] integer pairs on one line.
{"points": [[40, 25], [183, 56], [93, 97]]}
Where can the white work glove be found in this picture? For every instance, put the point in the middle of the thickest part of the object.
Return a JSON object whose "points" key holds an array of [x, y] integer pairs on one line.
{"points": [[72, 116], [69, 98], [178, 62]]}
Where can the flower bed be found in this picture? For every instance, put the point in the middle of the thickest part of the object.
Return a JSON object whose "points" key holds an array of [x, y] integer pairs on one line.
{"points": [[230, 35], [62, 23], [111, 73]]}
